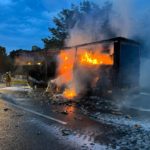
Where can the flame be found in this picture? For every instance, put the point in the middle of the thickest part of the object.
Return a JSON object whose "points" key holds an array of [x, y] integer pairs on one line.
{"points": [[69, 93], [83, 57], [66, 62], [89, 58], [65, 72]]}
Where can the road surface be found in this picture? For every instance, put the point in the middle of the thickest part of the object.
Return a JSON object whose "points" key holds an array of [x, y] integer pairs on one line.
{"points": [[35, 124]]}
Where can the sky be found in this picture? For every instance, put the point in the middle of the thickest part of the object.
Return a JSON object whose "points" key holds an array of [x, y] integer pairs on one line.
{"points": [[23, 23]]}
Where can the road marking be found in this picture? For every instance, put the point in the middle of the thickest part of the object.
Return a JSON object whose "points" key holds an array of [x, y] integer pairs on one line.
{"points": [[36, 113]]}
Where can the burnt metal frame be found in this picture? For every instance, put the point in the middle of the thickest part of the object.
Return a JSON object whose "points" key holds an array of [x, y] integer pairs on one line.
{"points": [[117, 52], [104, 41], [117, 43]]}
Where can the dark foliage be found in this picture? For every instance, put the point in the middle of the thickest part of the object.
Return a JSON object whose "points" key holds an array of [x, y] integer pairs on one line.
{"points": [[86, 16]]}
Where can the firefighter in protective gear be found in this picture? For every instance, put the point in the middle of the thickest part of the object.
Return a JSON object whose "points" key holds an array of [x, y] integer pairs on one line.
{"points": [[8, 79]]}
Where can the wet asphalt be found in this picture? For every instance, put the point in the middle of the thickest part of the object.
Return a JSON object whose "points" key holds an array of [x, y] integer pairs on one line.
{"points": [[23, 130], [30, 123]]}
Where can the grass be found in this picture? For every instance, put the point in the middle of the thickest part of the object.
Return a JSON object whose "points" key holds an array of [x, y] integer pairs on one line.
{"points": [[19, 82]]}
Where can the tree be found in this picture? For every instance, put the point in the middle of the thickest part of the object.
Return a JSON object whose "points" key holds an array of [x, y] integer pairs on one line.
{"points": [[87, 17], [5, 63], [59, 32], [2, 51], [35, 48]]}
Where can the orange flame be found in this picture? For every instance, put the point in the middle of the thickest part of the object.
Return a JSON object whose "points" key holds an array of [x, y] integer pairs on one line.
{"points": [[65, 71], [89, 58], [85, 58], [65, 68], [69, 93]]}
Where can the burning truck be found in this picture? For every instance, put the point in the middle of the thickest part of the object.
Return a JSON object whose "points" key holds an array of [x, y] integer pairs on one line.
{"points": [[101, 68]]}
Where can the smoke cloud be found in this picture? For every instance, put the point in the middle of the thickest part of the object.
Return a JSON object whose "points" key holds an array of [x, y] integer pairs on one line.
{"points": [[115, 18], [91, 26], [96, 22]]}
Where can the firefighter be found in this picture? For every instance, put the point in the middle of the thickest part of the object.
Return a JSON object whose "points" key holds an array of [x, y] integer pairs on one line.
{"points": [[8, 79]]}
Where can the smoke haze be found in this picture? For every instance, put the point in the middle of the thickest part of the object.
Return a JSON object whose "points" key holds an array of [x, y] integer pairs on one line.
{"points": [[115, 18]]}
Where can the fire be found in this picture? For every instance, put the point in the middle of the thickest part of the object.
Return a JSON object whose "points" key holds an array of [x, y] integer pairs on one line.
{"points": [[69, 93], [65, 72], [82, 57], [89, 58], [65, 67]]}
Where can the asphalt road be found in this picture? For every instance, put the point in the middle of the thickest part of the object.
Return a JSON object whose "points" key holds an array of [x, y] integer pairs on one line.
{"points": [[32, 123], [27, 123]]}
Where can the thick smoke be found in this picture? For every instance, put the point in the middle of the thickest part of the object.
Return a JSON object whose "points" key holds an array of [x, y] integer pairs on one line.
{"points": [[115, 18], [100, 21], [92, 25]]}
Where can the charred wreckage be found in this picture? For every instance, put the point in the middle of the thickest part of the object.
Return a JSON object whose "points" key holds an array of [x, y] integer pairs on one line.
{"points": [[101, 68]]}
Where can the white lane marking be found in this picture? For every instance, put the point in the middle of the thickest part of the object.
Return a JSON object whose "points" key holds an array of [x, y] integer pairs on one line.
{"points": [[36, 113]]}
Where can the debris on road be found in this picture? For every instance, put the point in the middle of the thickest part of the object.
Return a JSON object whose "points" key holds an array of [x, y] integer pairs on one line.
{"points": [[66, 132], [119, 129], [116, 113], [137, 126], [19, 115], [84, 111], [16, 126], [38, 133], [84, 147], [77, 118], [6, 109], [128, 117], [64, 112]]}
